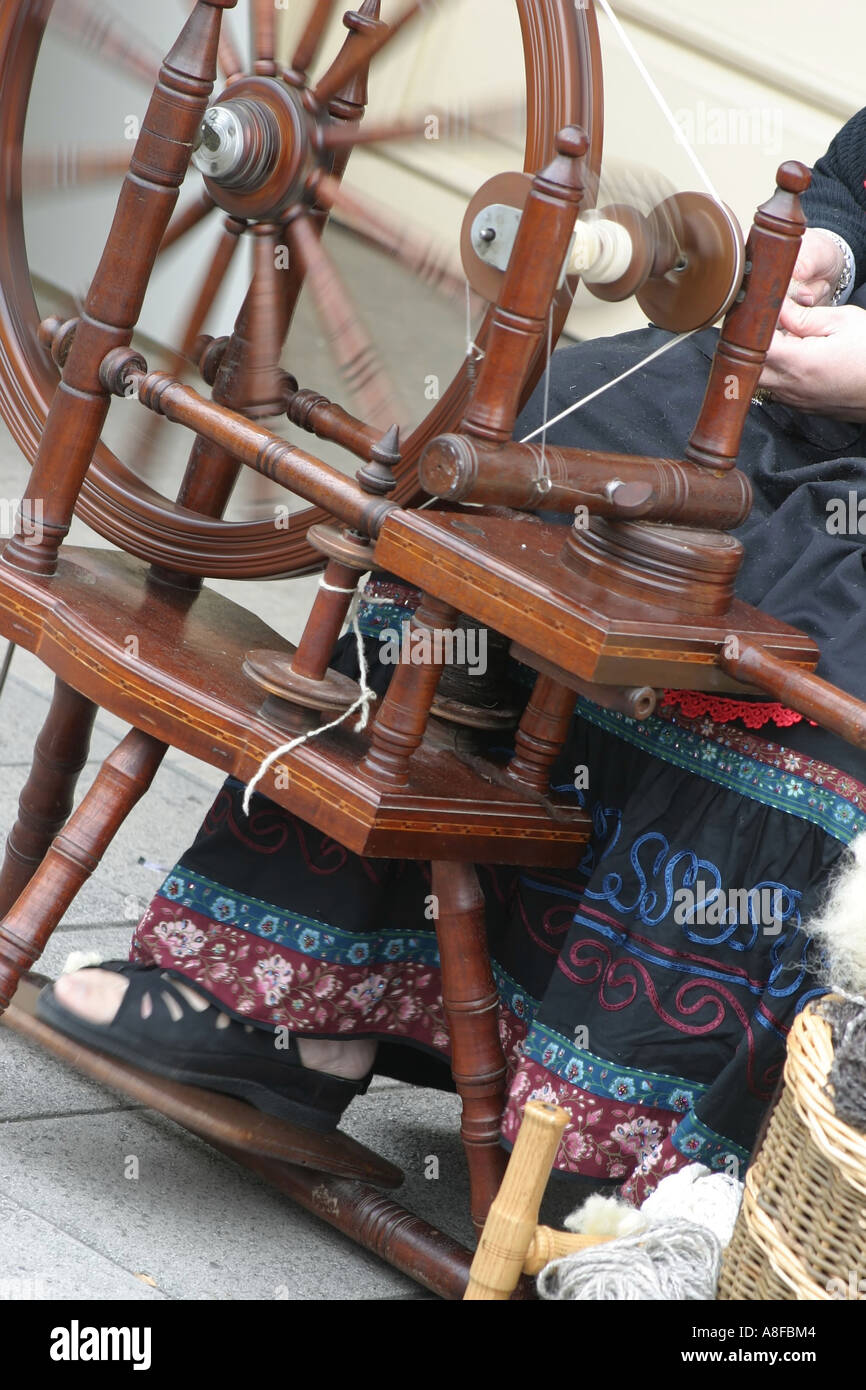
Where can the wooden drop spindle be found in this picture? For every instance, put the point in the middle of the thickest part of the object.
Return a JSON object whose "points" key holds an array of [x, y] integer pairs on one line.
{"points": [[511, 1225]]}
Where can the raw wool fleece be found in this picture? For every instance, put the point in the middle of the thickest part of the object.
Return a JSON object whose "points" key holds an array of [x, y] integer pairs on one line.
{"points": [[605, 1216], [839, 929]]}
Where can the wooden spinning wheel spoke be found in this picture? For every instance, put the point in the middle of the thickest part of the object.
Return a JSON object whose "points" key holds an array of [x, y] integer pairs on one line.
{"points": [[182, 355], [416, 252], [228, 54], [259, 388], [210, 287], [451, 125], [107, 37], [187, 219], [355, 57], [351, 347], [263, 25], [350, 135], [67, 166], [310, 42]]}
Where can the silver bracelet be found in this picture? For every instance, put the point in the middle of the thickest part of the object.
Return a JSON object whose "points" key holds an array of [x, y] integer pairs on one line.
{"points": [[845, 282]]}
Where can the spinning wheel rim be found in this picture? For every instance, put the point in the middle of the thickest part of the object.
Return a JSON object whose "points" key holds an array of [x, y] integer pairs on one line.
{"points": [[563, 86]]}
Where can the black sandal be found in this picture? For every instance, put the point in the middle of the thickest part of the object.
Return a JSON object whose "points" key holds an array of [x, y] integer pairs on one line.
{"points": [[183, 1044]]}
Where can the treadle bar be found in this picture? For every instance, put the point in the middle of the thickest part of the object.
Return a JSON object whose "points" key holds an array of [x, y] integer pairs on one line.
{"points": [[345, 1200], [217, 1118], [433, 1259]]}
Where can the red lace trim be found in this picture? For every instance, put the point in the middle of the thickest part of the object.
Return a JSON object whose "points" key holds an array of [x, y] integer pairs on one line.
{"points": [[723, 710]]}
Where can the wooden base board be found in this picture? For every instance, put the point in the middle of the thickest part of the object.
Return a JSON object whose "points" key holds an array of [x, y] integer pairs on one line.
{"points": [[171, 663], [506, 572]]}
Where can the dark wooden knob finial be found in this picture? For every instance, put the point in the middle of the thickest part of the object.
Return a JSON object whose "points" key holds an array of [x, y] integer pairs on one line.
{"points": [[572, 141], [793, 176], [377, 476]]}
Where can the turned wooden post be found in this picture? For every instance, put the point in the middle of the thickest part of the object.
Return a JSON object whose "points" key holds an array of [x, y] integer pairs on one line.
{"points": [[541, 734], [74, 854], [471, 1003], [519, 326], [46, 800], [771, 254], [402, 719], [114, 301]]}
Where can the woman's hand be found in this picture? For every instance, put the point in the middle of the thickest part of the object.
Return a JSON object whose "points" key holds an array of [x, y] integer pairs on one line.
{"points": [[819, 266], [817, 362]]}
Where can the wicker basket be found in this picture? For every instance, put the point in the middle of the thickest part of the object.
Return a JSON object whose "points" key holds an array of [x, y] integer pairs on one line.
{"points": [[801, 1232]]}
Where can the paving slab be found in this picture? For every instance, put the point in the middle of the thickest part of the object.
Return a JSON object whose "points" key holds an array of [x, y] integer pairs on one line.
{"points": [[112, 943], [35, 1084], [40, 1261], [197, 1224]]}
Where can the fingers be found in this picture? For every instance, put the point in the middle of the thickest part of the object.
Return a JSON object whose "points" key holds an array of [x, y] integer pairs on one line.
{"points": [[810, 292], [806, 322], [782, 361]]}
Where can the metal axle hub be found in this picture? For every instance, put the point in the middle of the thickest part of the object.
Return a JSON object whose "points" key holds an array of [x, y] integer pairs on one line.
{"points": [[255, 148]]}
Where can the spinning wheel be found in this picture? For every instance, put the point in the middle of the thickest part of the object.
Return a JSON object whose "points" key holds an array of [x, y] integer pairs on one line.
{"points": [[316, 121], [642, 596]]}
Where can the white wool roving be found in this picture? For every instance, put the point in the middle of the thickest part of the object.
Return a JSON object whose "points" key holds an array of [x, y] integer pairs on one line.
{"points": [[839, 928], [673, 1261], [695, 1194]]}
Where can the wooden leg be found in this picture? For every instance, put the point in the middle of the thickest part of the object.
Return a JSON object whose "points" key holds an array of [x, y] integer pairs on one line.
{"points": [[542, 733], [44, 806], [122, 780], [403, 714], [471, 1005]]}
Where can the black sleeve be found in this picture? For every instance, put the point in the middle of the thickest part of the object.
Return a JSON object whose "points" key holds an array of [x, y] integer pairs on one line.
{"points": [[837, 197]]}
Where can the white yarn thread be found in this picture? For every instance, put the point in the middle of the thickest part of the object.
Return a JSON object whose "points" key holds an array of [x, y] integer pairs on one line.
{"points": [[473, 351], [361, 705], [600, 390], [705, 180], [666, 111], [674, 1261], [546, 407]]}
